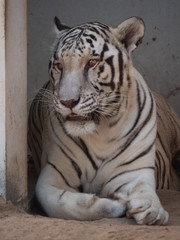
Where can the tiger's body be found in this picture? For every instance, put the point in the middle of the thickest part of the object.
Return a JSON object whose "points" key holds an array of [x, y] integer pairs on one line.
{"points": [[93, 130]]}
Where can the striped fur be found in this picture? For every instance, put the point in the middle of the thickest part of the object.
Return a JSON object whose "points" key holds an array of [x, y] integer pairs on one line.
{"points": [[92, 130]]}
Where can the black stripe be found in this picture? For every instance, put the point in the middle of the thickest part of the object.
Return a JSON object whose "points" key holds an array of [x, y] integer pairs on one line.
{"points": [[74, 164], [112, 124], [129, 81], [80, 188], [122, 173], [100, 29], [101, 70], [109, 84], [95, 54], [33, 149], [163, 170], [160, 170], [86, 101], [34, 125], [65, 180], [93, 37], [70, 34], [58, 116], [120, 61], [94, 29], [135, 133], [140, 108], [90, 42], [65, 146], [55, 56], [161, 142], [76, 167], [101, 25], [105, 49], [157, 171], [118, 188], [168, 183], [36, 141], [129, 141], [50, 64], [85, 149], [175, 163], [60, 196], [90, 35], [52, 76], [34, 132], [109, 61], [40, 113], [146, 151], [104, 32], [46, 85]]}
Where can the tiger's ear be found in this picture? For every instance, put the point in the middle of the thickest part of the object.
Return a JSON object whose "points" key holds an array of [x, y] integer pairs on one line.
{"points": [[130, 32], [60, 27]]}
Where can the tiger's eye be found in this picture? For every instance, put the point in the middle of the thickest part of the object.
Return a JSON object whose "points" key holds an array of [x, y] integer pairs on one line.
{"points": [[58, 66], [92, 63]]}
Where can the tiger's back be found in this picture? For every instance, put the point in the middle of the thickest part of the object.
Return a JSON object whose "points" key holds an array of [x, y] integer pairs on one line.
{"points": [[167, 146]]}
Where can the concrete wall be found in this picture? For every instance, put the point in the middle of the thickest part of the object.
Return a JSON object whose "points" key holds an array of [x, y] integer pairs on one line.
{"points": [[157, 58], [13, 97]]}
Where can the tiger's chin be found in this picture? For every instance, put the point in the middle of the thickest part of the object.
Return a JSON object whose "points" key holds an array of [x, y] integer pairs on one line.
{"points": [[80, 128]]}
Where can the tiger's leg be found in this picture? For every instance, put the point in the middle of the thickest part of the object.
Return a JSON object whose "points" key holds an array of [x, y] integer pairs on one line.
{"points": [[143, 203], [68, 203]]}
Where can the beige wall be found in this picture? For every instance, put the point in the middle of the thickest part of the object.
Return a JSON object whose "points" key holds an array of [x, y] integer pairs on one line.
{"points": [[2, 102], [13, 100]]}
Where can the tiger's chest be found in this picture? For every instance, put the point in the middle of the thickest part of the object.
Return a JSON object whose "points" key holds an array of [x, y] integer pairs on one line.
{"points": [[103, 155], [84, 160], [89, 163]]}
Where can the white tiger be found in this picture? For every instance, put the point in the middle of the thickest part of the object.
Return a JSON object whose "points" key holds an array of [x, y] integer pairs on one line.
{"points": [[92, 129]]}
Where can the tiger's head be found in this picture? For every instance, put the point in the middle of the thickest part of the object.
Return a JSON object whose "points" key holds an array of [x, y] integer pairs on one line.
{"points": [[90, 72]]}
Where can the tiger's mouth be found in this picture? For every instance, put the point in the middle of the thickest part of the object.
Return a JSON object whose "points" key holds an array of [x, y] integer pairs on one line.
{"points": [[79, 118]]}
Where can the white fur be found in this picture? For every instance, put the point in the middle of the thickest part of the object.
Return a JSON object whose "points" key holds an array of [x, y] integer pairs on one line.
{"points": [[94, 147], [80, 128]]}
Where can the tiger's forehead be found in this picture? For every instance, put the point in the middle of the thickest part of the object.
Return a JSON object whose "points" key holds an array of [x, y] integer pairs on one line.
{"points": [[86, 30], [84, 38]]}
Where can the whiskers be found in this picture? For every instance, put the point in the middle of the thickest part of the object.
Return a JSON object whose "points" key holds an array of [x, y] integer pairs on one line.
{"points": [[112, 104], [109, 106], [44, 96], [44, 102]]}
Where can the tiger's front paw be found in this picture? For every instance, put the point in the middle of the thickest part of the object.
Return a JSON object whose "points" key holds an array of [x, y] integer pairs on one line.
{"points": [[147, 211], [111, 208]]}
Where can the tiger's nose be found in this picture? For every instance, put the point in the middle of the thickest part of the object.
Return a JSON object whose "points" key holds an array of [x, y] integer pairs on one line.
{"points": [[69, 103]]}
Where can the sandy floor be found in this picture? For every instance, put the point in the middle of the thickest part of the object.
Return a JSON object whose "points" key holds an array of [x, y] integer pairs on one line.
{"points": [[17, 224]]}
